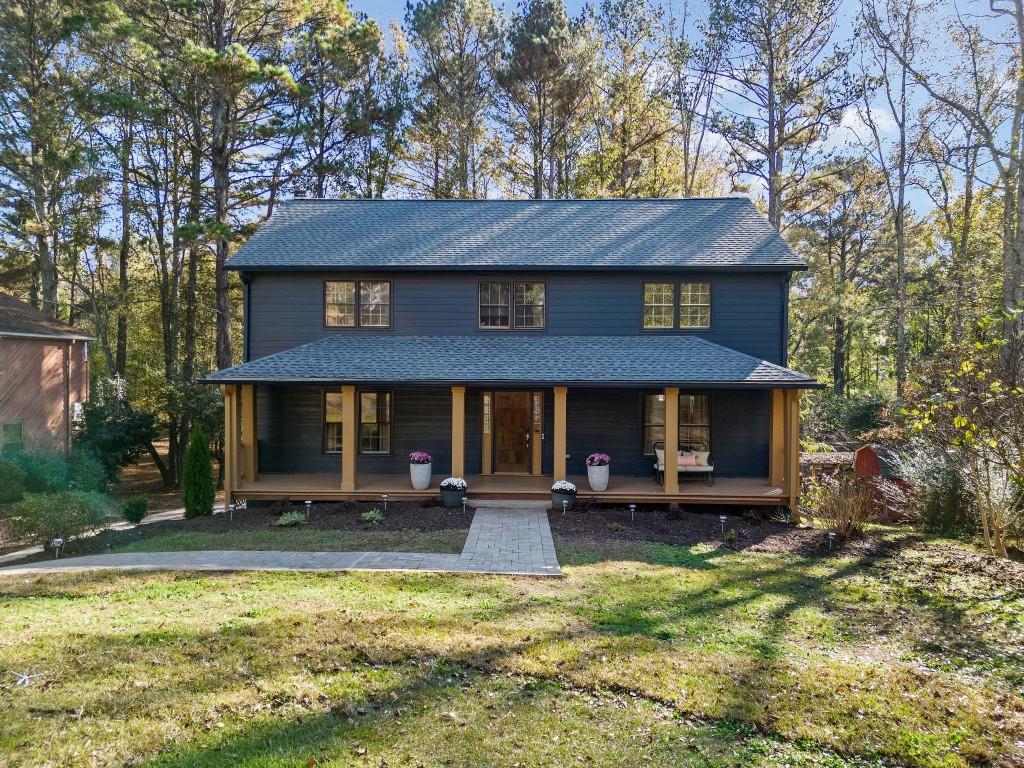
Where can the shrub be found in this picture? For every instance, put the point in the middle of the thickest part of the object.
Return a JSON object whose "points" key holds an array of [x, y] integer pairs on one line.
{"points": [[50, 471], [374, 517], [940, 500], [112, 430], [288, 519], [197, 487], [45, 471], [134, 509], [616, 527], [12, 481], [43, 516], [840, 504]]}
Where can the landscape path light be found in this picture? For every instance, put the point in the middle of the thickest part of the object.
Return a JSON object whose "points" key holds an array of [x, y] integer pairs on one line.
{"points": [[722, 519], [632, 513]]}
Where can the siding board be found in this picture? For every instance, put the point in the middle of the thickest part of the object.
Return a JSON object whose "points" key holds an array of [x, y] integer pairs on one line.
{"points": [[607, 420], [286, 309]]}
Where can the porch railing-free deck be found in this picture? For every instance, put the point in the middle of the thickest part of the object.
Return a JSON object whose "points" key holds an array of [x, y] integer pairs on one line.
{"points": [[327, 487]]}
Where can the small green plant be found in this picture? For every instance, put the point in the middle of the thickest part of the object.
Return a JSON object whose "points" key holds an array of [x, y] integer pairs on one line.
{"points": [[289, 519], [616, 527], [374, 517], [730, 536], [134, 509], [197, 476], [65, 514]]}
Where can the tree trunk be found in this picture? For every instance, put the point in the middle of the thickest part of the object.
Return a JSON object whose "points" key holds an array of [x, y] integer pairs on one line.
{"points": [[121, 353]]}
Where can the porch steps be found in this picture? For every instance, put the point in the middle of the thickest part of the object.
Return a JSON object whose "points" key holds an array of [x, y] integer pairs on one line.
{"points": [[542, 504]]}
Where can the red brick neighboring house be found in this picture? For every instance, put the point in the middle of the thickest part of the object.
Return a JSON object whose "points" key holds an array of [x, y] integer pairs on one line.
{"points": [[44, 377]]}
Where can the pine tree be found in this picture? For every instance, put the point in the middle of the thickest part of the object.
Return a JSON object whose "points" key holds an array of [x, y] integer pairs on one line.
{"points": [[197, 475]]}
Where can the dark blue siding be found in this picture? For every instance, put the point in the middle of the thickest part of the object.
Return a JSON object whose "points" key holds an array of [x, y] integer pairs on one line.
{"points": [[286, 309], [608, 420], [289, 421]]}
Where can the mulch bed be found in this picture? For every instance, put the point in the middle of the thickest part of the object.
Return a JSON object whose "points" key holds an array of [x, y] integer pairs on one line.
{"points": [[755, 532]]}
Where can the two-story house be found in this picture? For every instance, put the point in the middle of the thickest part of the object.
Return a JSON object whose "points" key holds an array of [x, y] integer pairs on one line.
{"points": [[510, 339]]}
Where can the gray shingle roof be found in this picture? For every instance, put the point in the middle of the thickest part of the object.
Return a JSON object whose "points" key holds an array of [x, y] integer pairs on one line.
{"points": [[509, 234], [513, 359]]}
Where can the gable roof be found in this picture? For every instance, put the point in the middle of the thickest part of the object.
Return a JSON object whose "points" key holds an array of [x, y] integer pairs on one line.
{"points": [[485, 358], [18, 319], [694, 233]]}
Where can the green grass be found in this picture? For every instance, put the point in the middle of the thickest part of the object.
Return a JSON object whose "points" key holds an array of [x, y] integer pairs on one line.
{"points": [[447, 541], [644, 654]]}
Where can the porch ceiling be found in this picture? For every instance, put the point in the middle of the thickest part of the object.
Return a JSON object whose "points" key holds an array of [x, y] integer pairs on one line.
{"points": [[511, 359]]}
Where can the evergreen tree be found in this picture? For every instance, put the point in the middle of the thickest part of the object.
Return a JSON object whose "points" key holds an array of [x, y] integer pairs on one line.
{"points": [[197, 476]]}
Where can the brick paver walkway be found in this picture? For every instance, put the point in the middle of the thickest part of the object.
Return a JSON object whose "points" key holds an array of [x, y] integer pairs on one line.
{"points": [[512, 541]]}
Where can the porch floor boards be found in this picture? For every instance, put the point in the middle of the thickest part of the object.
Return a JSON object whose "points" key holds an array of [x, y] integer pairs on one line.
{"points": [[326, 487]]}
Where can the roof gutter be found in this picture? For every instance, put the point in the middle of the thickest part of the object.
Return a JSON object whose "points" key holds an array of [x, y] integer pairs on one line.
{"points": [[52, 336]]}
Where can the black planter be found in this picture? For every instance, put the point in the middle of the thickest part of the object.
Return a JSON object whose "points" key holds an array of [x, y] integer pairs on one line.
{"points": [[452, 499], [558, 498]]}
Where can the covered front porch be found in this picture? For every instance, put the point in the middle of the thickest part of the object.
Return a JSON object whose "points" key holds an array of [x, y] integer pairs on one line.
{"points": [[754, 438]]}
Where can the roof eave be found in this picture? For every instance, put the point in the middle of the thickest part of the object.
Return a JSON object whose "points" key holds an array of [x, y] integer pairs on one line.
{"points": [[515, 267], [766, 384]]}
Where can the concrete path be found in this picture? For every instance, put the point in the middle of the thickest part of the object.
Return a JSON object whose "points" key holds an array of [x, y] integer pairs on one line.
{"points": [[500, 541], [120, 525]]}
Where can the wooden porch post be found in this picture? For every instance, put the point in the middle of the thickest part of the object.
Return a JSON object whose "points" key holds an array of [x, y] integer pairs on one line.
{"points": [[250, 461], [777, 442], [458, 431], [671, 440], [228, 392], [349, 438], [561, 435], [793, 451]]}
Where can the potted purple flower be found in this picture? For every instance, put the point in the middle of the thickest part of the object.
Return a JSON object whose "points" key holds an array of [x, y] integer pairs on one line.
{"points": [[597, 471], [419, 470]]}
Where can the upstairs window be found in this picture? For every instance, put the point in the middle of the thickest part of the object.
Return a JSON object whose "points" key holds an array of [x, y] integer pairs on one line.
{"points": [[694, 302], [695, 305], [340, 304], [363, 303], [512, 305], [659, 305], [375, 304]]}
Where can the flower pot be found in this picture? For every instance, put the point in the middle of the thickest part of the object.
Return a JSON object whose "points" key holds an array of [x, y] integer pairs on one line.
{"points": [[420, 476], [598, 478], [452, 499], [558, 498]]}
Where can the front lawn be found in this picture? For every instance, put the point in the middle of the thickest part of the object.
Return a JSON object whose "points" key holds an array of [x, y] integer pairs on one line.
{"points": [[646, 653]]}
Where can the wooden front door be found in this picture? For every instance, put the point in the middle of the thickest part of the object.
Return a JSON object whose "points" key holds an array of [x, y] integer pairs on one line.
{"points": [[513, 421]]}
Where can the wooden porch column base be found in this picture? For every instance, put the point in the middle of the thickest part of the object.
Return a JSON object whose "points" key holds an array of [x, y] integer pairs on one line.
{"points": [[561, 437], [671, 440], [458, 431], [349, 439]]}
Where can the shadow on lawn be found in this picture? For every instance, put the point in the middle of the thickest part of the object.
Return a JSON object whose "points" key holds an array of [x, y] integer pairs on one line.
{"points": [[616, 627]]}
